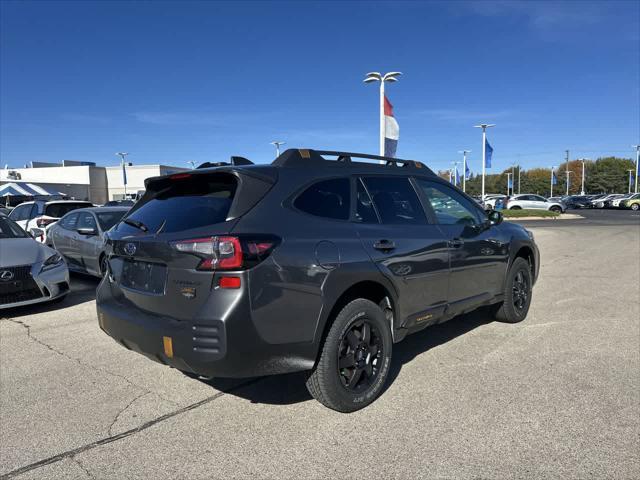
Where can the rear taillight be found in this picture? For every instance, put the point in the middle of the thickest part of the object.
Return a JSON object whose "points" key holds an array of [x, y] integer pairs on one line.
{"points": [[227, 253], [43, 222]]}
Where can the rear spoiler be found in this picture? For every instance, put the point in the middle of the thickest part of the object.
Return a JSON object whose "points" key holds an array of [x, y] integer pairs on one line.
{"points": [[234, 161]]}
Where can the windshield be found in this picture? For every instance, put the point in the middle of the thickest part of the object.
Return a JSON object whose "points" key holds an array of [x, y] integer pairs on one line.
{"points": [[10, 229], [109, 219]]}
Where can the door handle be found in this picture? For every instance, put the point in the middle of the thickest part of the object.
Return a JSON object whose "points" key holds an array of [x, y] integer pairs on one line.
{"points": [[384, 245], [456, 243]]}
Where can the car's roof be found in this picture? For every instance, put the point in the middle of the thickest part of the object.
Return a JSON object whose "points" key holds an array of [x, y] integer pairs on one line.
{"points": [[103, 209]]}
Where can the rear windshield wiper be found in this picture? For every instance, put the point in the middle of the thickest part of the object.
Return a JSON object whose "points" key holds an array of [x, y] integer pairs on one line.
{"points": [[137, 224]]}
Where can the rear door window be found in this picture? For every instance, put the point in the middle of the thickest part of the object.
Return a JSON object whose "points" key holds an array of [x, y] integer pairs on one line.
{"points": [[185, 203], [58, 210], [328, 198], [395, 200]]}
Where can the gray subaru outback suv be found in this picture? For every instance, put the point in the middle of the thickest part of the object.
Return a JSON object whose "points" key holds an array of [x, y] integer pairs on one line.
{"points": [[315, 262]]}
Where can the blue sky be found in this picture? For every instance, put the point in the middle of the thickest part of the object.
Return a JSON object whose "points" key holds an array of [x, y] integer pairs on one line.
{"points": [[171, 82]]}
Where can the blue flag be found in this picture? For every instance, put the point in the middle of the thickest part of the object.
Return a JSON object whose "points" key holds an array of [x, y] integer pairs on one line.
{"points": [[467, 172], [457, 177], [554, 179], [124, 174], [488, 152]]}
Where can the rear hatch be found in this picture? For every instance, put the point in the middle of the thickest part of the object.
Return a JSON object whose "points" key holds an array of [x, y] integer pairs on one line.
{"points": [[160, 254]]}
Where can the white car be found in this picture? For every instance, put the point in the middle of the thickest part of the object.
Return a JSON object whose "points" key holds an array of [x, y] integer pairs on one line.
{"points": [[29, 271], [601, 201], [490, 200], [616, 201], [528, 201], [42, 214]]}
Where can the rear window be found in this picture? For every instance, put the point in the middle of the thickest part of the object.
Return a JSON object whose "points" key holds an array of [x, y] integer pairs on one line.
{"points": [[186, 203], [329, 199], [58, 210], [109, 219]]}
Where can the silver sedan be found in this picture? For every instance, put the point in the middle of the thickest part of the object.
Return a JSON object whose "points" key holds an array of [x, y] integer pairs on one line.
{"points": [[79, 237], [30, 272]]}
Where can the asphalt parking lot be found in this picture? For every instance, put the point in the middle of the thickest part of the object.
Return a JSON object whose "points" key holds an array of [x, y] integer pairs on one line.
{"points": [[555, 396]]}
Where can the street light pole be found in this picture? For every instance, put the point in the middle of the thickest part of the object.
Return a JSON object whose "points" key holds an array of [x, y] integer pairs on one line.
{"points": [[509, 175], [637, 147], [122, 155], [464, 169], [378, 77], [519, 170], [630, 172], [484, 127], [569, 172], [277, 145], [582, 188], [551, 192]]}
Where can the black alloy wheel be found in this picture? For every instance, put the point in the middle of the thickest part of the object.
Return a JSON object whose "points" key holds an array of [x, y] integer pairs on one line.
{"points": [[359, 356], [520, 295], [355, 359]]}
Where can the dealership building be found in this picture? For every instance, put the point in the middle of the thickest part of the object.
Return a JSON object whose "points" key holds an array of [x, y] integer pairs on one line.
{"points": [[80, 180]]}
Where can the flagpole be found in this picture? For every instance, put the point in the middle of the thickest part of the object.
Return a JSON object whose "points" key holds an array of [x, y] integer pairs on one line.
{"points": [[464, 169], [484, 127], [551, 193], [637, 147], [379, 77], [630, 173], [519, 170], [508, 175]]}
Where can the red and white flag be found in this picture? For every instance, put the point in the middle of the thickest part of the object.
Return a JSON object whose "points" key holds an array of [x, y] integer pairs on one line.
{"points": [[391, 130]]}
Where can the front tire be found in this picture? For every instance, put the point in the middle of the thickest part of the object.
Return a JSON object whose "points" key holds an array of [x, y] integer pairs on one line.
{"points": [[355, 359], [517, 293], [556, 209], [635, 207], [515, 208]]}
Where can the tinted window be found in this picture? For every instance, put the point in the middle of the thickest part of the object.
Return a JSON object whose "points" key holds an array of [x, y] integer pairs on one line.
{"points": [[329, 198], [86, 220], [365, 212], [449, 206], [538, 198], [69, 222], [58, 210], [10, 229], [395, 200], [109, 219], [21, 212], [185, 203]]}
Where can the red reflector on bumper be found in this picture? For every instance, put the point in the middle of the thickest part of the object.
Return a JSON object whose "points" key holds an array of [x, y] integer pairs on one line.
{"points": [[229, 282]]}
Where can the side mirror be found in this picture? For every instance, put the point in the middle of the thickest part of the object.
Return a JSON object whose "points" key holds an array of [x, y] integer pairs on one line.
{"points": [[36, 232], [87, 231], [495, 217]]}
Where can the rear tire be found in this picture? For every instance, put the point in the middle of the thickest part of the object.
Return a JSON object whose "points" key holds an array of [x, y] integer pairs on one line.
{"points": [[556, 209], [517, 293], [355, 359], [635, 207], [516, 207], [102, 265]]}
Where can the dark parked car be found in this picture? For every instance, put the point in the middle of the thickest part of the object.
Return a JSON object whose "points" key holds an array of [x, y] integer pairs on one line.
{"points": [[79, 237], [306, 264], [119, 203]]}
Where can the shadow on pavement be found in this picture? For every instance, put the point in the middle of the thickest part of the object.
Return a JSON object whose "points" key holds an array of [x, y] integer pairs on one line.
{"points": [[290, 388], [83, 289]]}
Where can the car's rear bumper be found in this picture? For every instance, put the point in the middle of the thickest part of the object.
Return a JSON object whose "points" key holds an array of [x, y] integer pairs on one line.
{"points": [[213, 347]]}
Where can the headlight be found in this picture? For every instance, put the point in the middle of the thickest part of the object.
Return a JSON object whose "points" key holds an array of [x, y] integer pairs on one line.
{"points": [[51, 262], [530, 233]]}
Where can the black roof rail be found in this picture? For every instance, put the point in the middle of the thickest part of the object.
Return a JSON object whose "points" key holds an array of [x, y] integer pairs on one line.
{"points": [[234, 161], [302, 157]]}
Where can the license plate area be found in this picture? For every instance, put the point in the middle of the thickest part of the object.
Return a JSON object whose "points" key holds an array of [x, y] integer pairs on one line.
{"points": [[144, 277]]}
